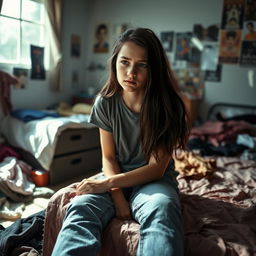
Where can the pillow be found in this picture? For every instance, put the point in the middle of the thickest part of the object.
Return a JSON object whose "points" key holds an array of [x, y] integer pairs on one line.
{"points": [[82, 108]]}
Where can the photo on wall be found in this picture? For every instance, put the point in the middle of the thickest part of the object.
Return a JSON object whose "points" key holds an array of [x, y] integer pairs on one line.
{"points": [[22, 75], [248, 53], [250, 10], [118, 29], [183, 46], [230, 46], [75, 49], [232, 14], [210, 57], [101, 44], [167, 40], [213, 75], [191, 82], [210, 33], [249, 31], [37, 62], [75, 78]]}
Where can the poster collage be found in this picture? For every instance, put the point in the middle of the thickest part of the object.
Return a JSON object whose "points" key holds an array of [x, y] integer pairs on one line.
{"points": [[198, 56]]}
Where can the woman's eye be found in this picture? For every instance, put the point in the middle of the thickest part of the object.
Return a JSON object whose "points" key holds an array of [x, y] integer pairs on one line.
{"points": [[124, 62], [142, 65]]}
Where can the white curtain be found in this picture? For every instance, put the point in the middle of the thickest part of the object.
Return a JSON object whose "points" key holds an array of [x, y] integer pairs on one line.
{"points": [[54, 11]]}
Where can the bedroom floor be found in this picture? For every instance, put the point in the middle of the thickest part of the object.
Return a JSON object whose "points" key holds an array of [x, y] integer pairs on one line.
{"points": [[39, 203]]}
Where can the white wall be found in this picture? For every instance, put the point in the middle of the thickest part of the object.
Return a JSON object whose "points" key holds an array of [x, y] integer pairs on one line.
{"points": [[179, 16], [81, 17]]}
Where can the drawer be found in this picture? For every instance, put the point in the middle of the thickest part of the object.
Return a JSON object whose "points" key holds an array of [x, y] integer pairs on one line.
{"points": [[71, 166], [73, 140]]}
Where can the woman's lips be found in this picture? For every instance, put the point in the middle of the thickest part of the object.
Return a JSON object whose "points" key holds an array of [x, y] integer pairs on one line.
{"points": [[130, 81]]}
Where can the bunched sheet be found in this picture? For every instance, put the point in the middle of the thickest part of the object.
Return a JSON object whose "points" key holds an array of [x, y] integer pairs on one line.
{"points": [[219, 211], [39, 137]]}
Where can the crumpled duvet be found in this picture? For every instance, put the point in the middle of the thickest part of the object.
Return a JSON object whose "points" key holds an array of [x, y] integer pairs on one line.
{"points": [[218, 212]]}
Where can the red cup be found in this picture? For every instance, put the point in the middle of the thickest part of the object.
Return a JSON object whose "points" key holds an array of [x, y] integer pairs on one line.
{"points": [[40, 177]]}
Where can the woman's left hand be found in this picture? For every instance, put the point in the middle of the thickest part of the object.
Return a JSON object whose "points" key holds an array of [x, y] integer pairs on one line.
{"points": [[91, 186]]}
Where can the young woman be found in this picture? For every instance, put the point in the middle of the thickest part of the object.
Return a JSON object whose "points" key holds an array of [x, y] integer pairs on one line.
{"points": [[142, 121]]}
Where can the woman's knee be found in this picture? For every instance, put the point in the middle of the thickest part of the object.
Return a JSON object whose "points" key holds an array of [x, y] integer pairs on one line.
{"points": [[96, 204]]}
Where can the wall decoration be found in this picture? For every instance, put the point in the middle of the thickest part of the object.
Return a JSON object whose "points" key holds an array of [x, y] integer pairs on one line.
{"points": [[167, 40], [191, 82], [37, 62], [248, 54], [250, 10], [75, 46], [22, 75], [232, 15], [213, 75], [183, 46], [195, 57], [249, 31], [75, 78], [210, 33], [119, 29], [210, 57], [230, 46], [101, 44]]}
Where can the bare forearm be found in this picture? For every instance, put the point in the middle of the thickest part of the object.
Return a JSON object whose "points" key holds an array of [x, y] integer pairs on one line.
{"points": [[138, 176], [110, 167]]}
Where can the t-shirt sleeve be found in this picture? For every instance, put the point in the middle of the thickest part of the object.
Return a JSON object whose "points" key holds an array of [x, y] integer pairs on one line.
{"points": [[100, 114]]}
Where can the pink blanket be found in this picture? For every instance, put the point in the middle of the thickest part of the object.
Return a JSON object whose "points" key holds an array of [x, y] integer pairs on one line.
{"points": [[218, 132], [218, 211]]}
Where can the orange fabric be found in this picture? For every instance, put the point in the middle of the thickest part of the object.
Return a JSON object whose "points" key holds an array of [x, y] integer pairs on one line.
{"points": [[190, 164]]}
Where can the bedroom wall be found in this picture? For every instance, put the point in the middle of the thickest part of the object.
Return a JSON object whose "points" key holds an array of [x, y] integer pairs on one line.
{"points": [[81, 17], [179, 16], [37, 93]]}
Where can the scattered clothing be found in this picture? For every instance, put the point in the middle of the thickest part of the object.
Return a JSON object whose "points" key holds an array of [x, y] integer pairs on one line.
{"points": [[191, 164], [248, 155], [7, 151], [43, 192], [13, 174], [26, 232], [10, 211], [222, 132], [207, 149], [246, 140]]}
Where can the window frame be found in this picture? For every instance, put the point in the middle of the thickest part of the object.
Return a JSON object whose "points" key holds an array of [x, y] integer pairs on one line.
{"points": [[42, 27]]}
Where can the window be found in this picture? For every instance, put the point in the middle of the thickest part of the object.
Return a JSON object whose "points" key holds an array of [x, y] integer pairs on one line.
{"points": [[22, 23]]}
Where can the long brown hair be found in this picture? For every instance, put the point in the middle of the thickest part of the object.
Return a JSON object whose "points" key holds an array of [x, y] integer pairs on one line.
{"points": [[162, 116]]}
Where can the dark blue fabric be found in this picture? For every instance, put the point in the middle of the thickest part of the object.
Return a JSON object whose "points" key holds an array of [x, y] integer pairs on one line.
{"points": [[23, 232], [207, 149], [27, 115]]}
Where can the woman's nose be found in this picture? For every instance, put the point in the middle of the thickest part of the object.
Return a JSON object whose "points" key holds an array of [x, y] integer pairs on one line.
{"points": [[132, 71]]}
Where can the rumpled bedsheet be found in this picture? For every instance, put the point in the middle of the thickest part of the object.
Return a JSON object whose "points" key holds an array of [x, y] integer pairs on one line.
{"points": [[218, 210], [39, 137], [219, 132]]}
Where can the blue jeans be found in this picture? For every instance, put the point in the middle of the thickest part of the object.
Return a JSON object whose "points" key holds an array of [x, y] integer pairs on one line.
{"points": [[155, 206]]}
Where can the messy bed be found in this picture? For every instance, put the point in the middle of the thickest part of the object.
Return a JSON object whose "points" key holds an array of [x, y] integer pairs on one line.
{"points": [[217, 182]]}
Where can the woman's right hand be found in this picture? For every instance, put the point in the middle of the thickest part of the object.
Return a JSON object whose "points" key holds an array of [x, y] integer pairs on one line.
{"points": [[122, 206]]}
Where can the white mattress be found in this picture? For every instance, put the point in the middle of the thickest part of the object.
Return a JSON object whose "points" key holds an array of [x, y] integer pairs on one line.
{"points": [[39, 137]]}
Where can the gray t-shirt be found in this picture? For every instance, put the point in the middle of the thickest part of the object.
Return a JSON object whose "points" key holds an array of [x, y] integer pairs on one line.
{"points": [[112, 114]]}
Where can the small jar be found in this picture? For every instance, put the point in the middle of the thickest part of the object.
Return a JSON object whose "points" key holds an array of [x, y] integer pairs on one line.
{"points": [[40, 177]]}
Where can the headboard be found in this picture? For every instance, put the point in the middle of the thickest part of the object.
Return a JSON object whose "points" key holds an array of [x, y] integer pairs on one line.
{"points": [[227, 111]]}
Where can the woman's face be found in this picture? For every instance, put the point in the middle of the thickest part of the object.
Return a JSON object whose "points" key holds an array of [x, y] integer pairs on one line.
{"points": [[132, 67]]}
